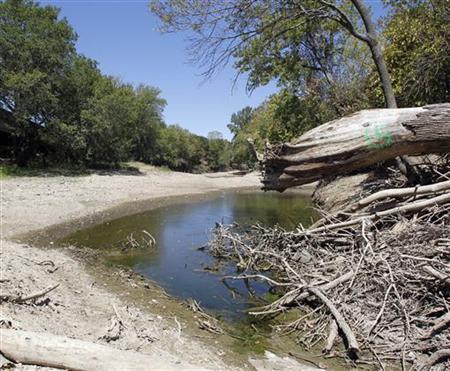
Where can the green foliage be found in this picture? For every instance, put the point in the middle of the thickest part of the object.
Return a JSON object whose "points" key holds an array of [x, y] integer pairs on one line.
{"points": [[240, 120], [308, 47], [417, 53], [149, 108], [218, 155], [280, 118], [296, 42], [12, 170], [36, 52], [417, 35], [290, 116], [65, 136], [9, 170], [120, 122], [184, 151], [296, 52], [178, 149], [62, 110], [108, 120], [241, 155]]}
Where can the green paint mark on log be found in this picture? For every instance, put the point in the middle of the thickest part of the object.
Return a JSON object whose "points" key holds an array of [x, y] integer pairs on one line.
{"points": [[380, 137]]}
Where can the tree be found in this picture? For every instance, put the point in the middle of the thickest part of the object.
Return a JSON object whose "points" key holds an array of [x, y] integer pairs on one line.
{"points": [[65, 138], [149, 107], [110, 121], [58, 105], [36, 51], [218, 154], [417, 50], [180, 150], [226, 30], [282, 117], [371, 38], [240, 120]]}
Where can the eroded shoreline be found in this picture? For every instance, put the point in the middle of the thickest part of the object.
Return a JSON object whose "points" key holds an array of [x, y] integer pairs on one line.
{"points": [[83, 304]]}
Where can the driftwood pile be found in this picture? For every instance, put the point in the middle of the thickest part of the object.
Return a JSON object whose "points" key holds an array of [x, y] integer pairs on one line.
{"points": [[372, 282]]}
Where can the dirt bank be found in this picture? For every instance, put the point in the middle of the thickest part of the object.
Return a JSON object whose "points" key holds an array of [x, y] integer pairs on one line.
{"points": [[33, 203], [81, 306]]}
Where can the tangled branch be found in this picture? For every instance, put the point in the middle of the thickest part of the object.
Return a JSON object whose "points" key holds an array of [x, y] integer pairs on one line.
{"points": [[382, 278]]}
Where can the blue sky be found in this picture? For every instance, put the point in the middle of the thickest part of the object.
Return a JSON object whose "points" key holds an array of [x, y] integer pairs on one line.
{"points": [[122, 36]]}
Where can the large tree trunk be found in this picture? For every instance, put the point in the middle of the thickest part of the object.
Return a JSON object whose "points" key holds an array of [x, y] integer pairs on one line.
{"points": [[357, 141]]}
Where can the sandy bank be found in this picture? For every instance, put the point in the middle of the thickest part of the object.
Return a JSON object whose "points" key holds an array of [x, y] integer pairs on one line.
{"points": [[34, 203], [82, 307]]}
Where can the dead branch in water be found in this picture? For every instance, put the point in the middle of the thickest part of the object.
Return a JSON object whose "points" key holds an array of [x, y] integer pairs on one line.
{"points": [[146, 240], [382, 276], [204, 320]]}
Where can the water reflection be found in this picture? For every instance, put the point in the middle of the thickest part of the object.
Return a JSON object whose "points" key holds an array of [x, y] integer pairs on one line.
{"points": [[179, 230]]}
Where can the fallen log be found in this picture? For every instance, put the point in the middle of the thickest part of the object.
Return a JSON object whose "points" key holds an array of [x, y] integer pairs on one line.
{"points": [[41, 349], [357, 141], [400, 192]]}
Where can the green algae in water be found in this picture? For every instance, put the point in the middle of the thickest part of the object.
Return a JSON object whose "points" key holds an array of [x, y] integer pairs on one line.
{"points": [[250, 336]]}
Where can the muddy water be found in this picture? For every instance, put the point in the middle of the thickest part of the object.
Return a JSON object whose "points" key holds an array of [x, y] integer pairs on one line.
{"points": [[176, 262]]}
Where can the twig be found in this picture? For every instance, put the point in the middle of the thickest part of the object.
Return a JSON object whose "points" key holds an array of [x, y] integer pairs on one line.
{"points": [[435, 358], [380, 313], [333, 331], [21, 299], [440, 324], [179, 326], [353, 347]]}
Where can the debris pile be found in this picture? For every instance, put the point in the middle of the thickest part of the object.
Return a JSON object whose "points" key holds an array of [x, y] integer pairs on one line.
{"points": [[375, 275]]}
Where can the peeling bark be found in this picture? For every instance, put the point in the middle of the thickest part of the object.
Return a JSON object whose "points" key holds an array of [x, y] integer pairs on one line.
{"points": [[357, 141]]}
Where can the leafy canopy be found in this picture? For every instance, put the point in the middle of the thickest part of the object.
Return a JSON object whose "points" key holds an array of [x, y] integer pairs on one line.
{"points": [[417, 52], [59, 107]]}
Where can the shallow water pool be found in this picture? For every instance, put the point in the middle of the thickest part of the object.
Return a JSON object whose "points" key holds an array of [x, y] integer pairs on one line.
{"points": [[177, 264]]}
